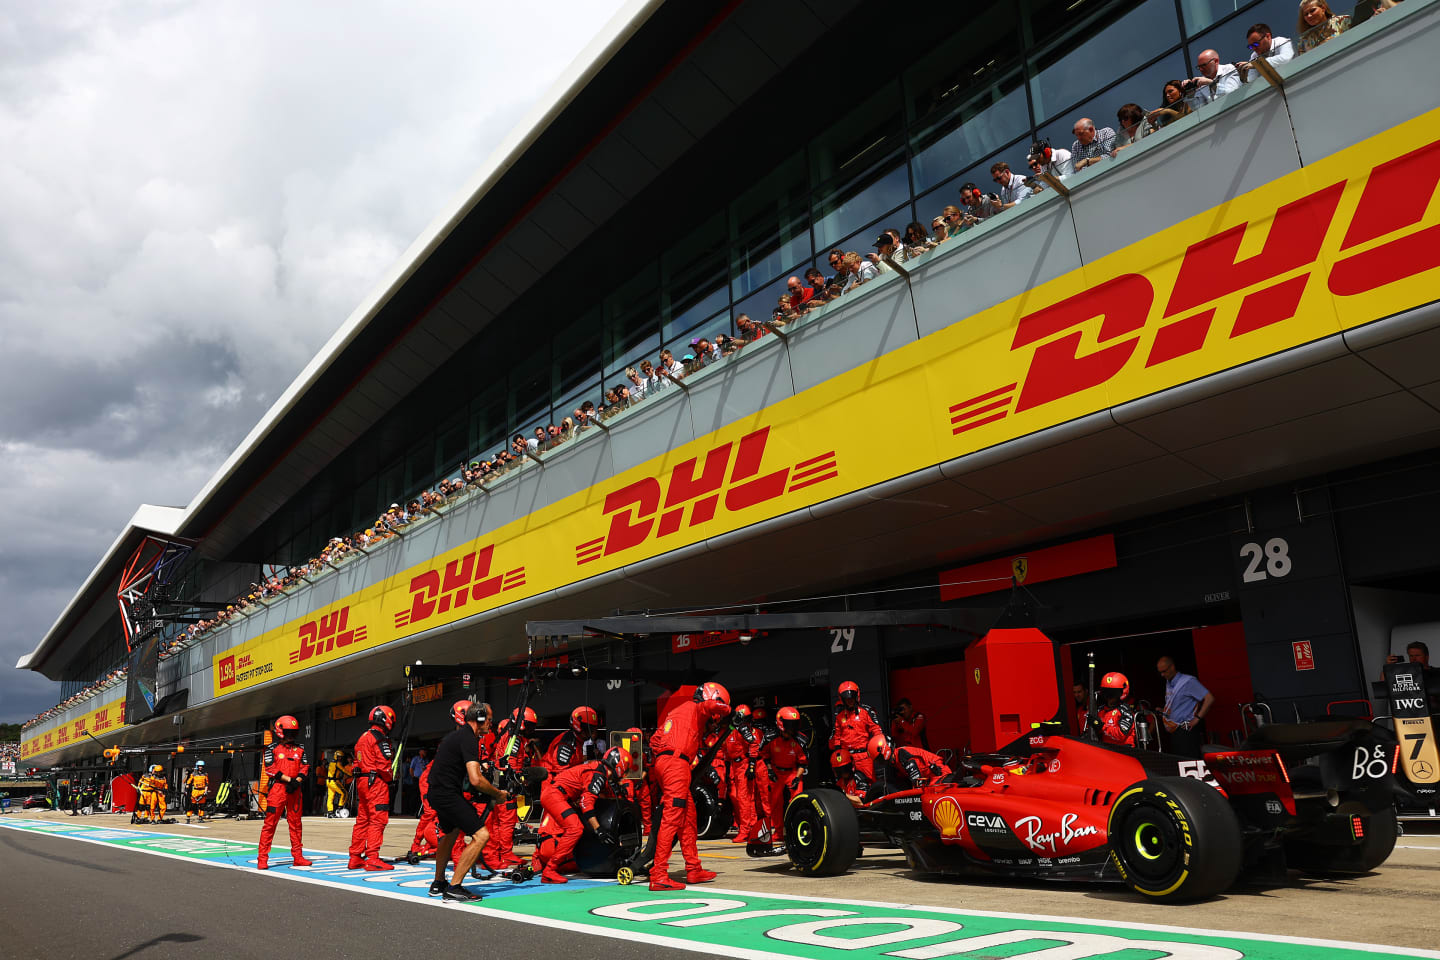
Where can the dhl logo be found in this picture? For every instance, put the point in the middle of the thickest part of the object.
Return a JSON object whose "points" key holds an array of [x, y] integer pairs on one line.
{"points": [[62, 735], [645, 508], [1384, 242], [464, 580], [325, 634], [79, 726], [49, 741], [102, 719]]}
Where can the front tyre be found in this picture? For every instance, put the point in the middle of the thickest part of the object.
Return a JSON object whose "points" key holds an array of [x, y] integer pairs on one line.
{"points": [[1175, 839], [822, 833]]}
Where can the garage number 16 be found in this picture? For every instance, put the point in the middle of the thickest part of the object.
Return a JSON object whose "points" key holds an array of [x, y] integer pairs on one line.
{"points": [[842, 640], [1273, 560]]}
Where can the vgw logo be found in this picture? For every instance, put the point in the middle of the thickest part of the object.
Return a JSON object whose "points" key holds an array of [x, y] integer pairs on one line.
{"points": [[1393, 204], [645, 508], [330, 632], [463, 581]]}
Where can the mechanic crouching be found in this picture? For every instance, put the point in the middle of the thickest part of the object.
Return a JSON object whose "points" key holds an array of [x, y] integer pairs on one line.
{"points": [[902, 767], [570, 797]]}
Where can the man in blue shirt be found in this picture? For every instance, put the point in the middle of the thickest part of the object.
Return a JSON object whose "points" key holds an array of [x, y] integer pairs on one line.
{"points": [[1186, 703]]}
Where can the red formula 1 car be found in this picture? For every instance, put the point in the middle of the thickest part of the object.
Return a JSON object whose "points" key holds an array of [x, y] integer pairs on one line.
{"points": [[1310, 795]]}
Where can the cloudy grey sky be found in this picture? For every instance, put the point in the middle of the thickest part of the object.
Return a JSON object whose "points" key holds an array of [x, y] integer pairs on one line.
{"points": [[193, 196]]}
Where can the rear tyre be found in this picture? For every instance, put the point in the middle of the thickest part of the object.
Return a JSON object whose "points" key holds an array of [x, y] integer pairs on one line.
{"points": [[822, 833], [1374, 848], [1175, 839]]}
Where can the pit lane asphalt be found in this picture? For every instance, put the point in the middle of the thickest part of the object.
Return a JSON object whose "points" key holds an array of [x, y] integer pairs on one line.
{"points": [[47, 891], [60, 900]]}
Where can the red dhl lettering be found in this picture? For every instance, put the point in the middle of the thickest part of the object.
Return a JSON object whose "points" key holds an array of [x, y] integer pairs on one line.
{"points": [[645, 510], [1381, 232], [329, 632], [458, 583]]}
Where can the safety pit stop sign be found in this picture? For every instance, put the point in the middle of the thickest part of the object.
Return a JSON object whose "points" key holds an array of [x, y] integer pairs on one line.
{"points": [[1304, 655]]}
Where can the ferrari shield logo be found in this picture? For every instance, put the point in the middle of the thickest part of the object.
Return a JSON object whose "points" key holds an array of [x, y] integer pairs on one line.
{"points": [[1018, 568]]}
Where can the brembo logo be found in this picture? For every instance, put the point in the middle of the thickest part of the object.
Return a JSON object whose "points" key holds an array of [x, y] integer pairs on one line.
{"points": [[326, 633], [1086, 340], [647, 509], [461, 582]]}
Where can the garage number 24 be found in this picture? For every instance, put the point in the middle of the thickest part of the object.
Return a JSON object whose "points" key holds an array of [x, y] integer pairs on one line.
{"points": [[1272, 560]]}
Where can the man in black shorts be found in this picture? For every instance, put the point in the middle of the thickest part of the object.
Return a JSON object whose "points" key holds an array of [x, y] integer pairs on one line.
{"points": [[456, 765]]}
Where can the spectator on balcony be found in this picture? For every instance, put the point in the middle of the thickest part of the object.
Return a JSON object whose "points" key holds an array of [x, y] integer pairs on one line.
{"points": [[648, 376], [837, 275], [541, 439], [1134, 126], [1173, 104], [669, 365], [1091, 145], [977, 205], [815, 280], [1317, 24], [1216, 79], [887, 249], [750, 330], [1056, 161], [858, 270], [1264, 45], [637, 383], [917, 241], [704, 348], [1013, 188], [798, 292]]}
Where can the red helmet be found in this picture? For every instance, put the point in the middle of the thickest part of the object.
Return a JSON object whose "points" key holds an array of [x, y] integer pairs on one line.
{"points": [[286, 727], [741, 714], [458, 709], [1114, 680], [760, 713], [714, 700], [618, 762], [840, 759], [584, 720], [383, 717], [528, 726], [878, 747], [850, 694], [788, 720]]}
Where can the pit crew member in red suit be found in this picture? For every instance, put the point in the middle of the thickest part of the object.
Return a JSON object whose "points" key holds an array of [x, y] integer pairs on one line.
{"points": [[676, 745], [286, 765], [919, 765], [568, 749], [374, 770], [787, 759], [740, 750], [907, 729], [1118, 716], [569, 800], [855, 725], [500, 851]]}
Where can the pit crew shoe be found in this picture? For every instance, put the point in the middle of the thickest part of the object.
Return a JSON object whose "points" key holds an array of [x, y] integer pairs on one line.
{"points": [[551, 875], [262, 864], [458, 894], [355, 863], [700, 876], [299, 861], [375, 866], [665, 882]]}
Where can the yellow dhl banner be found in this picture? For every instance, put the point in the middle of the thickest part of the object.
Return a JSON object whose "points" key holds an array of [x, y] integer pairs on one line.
{"points": [[1343, 242], [98, 721]]}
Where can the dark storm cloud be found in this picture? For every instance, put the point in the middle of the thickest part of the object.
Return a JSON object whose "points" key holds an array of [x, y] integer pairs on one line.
{"points": [[195, 195]]}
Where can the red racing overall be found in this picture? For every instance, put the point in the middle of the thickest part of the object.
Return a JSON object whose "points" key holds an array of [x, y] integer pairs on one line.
{"points": [[740, 771], [569, 801], [283, 799], [853, 730], [676, 745], [920, 765], [786, 756], [564, 751], [500, 849], [1117, 725], [908, 733], [373, 760]]}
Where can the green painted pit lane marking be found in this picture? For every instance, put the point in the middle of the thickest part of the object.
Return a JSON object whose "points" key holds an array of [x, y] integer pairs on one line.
{"points": [[748, 925]]}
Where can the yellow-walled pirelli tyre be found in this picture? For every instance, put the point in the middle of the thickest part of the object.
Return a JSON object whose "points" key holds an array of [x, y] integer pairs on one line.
{"points": [[1175, 839], [822, 834]]}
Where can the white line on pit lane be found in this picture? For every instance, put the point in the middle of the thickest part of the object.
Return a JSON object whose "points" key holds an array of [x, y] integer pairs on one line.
{"points": [[744, 953]]}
